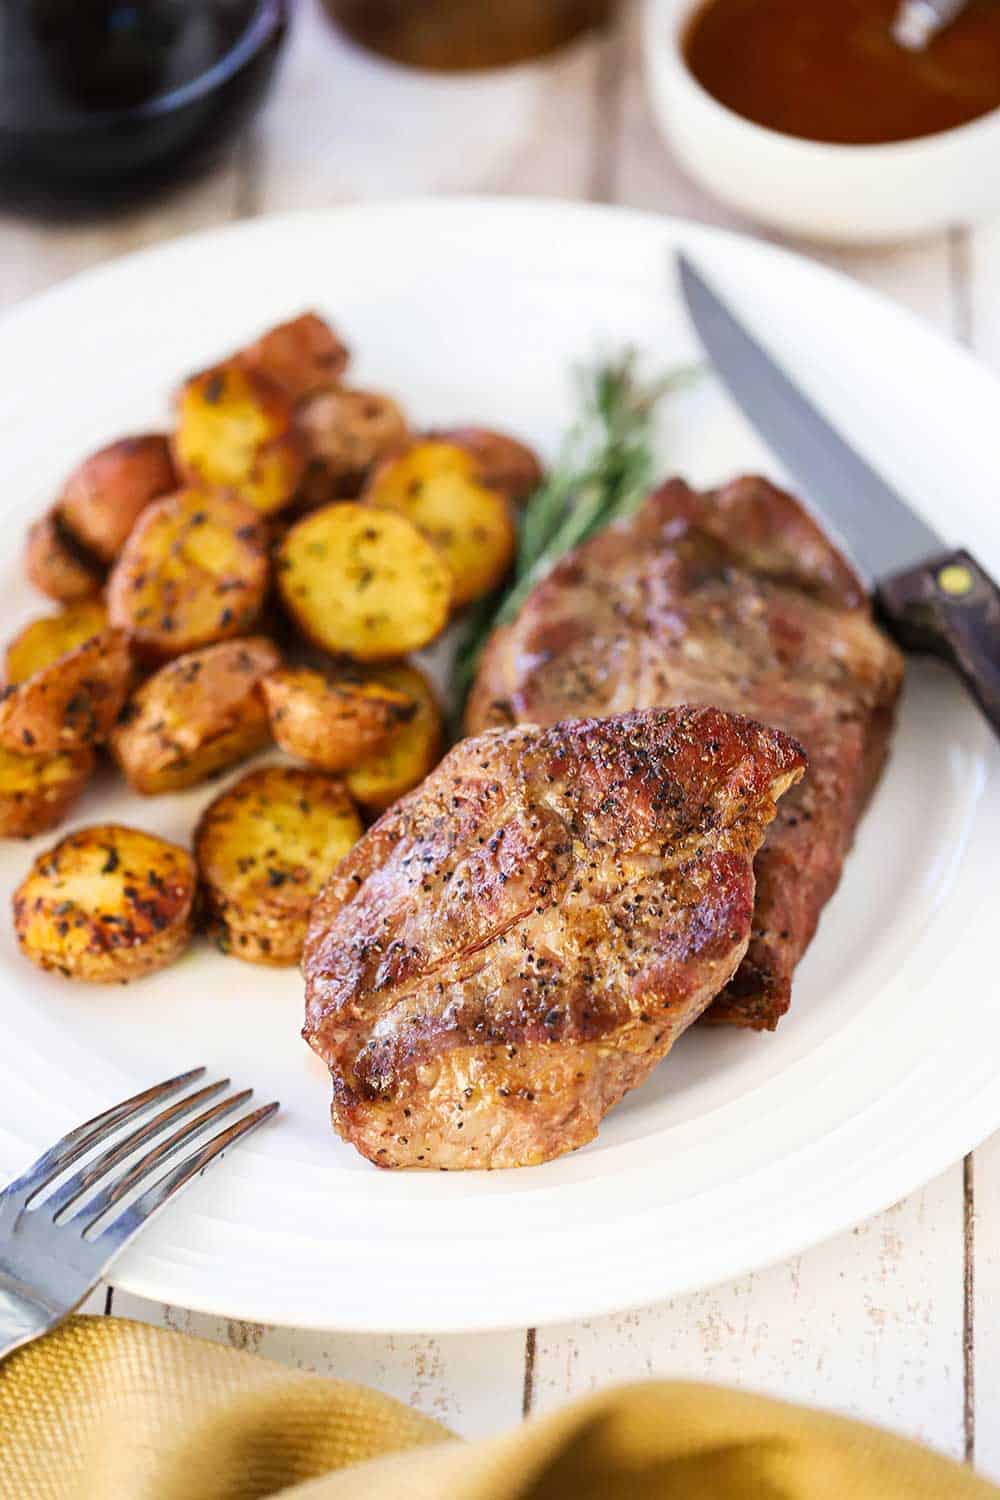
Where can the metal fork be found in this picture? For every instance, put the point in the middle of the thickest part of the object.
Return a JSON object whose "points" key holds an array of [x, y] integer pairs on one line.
{"points": [[48, 1264]]}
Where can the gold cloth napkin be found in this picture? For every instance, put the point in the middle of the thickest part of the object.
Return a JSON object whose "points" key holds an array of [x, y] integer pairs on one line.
{"points": [[106, 1409]]}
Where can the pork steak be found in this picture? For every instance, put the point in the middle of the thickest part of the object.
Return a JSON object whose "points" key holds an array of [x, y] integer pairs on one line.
{"points": [[736, 598], [518, 941]]}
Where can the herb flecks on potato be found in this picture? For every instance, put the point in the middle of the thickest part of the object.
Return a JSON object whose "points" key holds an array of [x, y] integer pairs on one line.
{"points": [[107, 904], [346, 432], [236, 430], [302, 356], [194, 571], [412, 750], [264, 849], [503, 463], [43, 641], [363, 582], [332, 724], [437, 486], [37, 791], [196, 715], [67, 676]]}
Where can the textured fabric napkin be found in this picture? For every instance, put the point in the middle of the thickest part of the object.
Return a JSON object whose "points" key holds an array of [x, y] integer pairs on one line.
{"points": [[106, 1409]]}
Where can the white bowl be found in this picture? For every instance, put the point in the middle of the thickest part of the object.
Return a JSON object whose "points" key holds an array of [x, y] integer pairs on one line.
{"points": [[847, 194]]}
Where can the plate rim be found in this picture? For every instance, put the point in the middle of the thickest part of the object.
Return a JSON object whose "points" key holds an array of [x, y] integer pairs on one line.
{"points": [[137, 1274]]}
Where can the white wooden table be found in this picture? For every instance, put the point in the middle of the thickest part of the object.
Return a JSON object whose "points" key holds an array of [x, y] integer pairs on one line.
{"points": [[898, 1321]]}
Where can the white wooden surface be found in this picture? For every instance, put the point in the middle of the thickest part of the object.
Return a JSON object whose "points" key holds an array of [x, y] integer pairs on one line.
{"points": [[898, 1321]]}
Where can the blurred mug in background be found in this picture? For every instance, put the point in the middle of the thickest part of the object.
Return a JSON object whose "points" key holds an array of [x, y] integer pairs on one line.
{"points": [[101, 96], [463, 34]]}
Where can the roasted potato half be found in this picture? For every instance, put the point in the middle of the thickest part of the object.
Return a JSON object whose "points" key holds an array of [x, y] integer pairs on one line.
{"points": [[67, 678], [264, 849], [332, 724], [236, 430], [302, 356], [503, 463], [44, 640], [411, 751], [199, 713], [345, 433], [36, 791], [363, 582], [194, 571], [57, 565], [103, 498], [106, 904], [437, 486]]}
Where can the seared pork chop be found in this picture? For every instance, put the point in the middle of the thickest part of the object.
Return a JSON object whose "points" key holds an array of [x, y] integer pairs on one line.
{"points": [[515, 944], [734, 598]]}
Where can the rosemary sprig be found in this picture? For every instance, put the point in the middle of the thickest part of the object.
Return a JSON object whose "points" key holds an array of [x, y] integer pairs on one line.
{"points": [[604, 472]]}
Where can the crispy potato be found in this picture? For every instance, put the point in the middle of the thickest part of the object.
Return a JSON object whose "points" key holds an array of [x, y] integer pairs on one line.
{"points": [[102, 499], [193, 571], [56, 564], [199, 713], [332, 724], [106, 904], [36, 791], [363, 582], [413, 749], [436, 486], [264, 849], [44, 640], [345, 433], [504, 463], [71, 699], [302, 356], [236, 430]]}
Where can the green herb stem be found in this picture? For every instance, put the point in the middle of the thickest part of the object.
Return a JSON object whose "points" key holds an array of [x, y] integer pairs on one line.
{"points": [[605, 470]]}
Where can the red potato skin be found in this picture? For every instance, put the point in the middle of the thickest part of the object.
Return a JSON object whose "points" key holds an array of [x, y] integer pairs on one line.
{"points": [[103, 498], [56, 565], [302, 356], [504, 462], [28, 811], [347, 433], [72, 702]]}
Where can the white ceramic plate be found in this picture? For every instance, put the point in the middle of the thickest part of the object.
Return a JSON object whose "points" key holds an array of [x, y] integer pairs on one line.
{"points": [[742, 1148]]}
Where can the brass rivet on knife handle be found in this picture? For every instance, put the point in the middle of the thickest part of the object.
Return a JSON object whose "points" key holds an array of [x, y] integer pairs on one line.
{"points": [[949, 606], [955, 580]]}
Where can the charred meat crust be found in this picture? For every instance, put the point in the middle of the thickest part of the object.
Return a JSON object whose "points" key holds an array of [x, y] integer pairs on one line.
{"points": [[733, 597], [517, 942]]}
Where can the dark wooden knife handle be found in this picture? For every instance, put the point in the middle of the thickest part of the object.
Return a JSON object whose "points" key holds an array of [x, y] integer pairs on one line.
{"points": [[949, 606]]}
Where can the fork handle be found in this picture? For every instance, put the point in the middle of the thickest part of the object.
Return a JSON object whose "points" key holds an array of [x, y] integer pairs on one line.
{"points": [[949, 606], [22, 1317]]}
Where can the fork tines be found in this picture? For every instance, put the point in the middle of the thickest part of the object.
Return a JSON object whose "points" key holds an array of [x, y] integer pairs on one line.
{"points": [[117, 1186]]}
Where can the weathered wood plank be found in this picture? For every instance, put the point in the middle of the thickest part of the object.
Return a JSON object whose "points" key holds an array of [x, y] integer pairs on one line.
{"points": [[97, 1303], [343, 125], [984, 1294], [37, 254], [472, 1384], [868, 1324]]}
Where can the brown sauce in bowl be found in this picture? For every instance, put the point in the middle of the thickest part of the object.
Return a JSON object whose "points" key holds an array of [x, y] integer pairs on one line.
{"points": [[829, 70]]}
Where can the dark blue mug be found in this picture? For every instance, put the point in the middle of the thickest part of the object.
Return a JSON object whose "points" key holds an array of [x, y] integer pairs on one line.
{"points": [[100, 95]]}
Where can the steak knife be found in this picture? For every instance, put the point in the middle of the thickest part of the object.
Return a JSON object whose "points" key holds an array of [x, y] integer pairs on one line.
{"points": [[930, 597]]}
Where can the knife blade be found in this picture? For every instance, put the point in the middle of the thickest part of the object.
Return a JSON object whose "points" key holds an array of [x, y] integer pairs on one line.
{"points": [[932, 599], [881, 532]]}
